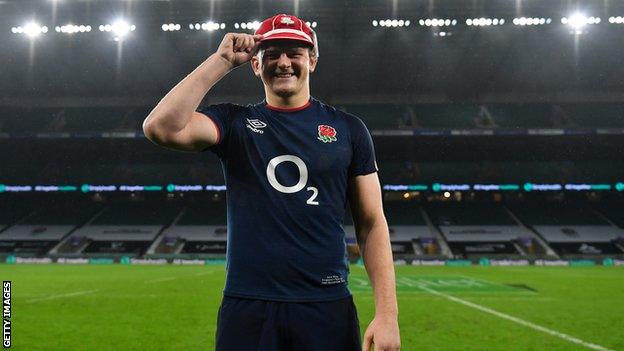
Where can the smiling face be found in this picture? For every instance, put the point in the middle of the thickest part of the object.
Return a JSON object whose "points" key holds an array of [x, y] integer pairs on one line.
{"points": [[284, 67]]}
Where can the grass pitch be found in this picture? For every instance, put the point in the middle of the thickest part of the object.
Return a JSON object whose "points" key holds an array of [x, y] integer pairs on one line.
{"points": [[126, 307]]}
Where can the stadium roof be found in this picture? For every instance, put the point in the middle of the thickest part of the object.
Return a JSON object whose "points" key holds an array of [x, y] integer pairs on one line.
{"points": [[359, 61]]}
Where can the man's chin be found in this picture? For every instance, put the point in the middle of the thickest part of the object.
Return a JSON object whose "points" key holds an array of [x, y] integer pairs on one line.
{"points": [[284, 92]]}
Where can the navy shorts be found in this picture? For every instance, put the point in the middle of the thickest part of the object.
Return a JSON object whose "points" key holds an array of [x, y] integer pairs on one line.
{"points": [[247, 324]]}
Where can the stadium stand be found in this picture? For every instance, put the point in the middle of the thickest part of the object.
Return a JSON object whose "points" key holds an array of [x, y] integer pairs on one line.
{"points": [[200, 231], [573, 231], [120, 229], [376, 116], [595, 115], [43, 228], [483, 229], [614, 212]]}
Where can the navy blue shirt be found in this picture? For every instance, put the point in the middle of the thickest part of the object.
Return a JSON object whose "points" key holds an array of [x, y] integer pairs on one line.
{"points": [[287, 175]]}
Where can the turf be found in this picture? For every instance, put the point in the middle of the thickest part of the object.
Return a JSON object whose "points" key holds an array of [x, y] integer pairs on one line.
{"points": [[125, 307]]}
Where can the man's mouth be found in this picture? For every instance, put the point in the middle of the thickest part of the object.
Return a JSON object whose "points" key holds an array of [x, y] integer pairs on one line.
{"points": [[284, 75]]}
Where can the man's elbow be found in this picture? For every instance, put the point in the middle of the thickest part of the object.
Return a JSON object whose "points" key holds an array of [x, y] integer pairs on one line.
{"points": [[148, 130], [153, 131], [371, 224]]}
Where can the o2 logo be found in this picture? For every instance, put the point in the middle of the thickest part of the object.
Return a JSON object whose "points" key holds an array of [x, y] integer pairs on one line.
{"points": [[303, 177]]}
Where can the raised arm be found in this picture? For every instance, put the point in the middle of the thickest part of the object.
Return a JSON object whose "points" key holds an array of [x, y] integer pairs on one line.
{"points": [[173, 123]]}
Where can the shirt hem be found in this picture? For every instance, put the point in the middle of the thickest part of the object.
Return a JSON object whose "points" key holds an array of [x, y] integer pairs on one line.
{"points": [[285, 299]]}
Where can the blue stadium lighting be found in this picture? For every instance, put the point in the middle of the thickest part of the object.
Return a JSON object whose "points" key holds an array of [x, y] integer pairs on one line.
{"points": [[4, 188], [495, 187], [55, 188], [215, 188], [138, 188], [587, 187], [404, 187], [85, 188], [449, 187], [542, 187], [185, 188]]}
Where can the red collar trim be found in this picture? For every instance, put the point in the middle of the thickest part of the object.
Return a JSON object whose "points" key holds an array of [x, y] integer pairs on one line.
{"points": [[291, 109]]}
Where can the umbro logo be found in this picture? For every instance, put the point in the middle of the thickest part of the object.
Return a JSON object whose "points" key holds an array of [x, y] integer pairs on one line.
{"points": [[256, 125]]}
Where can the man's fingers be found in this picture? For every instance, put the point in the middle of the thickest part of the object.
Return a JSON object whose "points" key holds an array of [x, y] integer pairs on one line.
{"points": [[242, 42], [248, 43], [256, 43], [368, 340], [234, 39], [238, 43]]}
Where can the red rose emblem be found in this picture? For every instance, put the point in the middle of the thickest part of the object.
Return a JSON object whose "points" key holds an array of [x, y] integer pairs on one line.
{"points": [[326, 133]]}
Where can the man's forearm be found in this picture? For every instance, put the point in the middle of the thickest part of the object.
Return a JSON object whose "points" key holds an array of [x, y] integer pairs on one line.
{"points": [[186, 96], [377, 255]]}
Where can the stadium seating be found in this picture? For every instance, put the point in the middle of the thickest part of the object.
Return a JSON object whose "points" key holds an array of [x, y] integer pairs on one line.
{"points": [[573, 231], [43, 228], [376, 117], [197, 229], [126, 228], [199, 232], [475, 230]]}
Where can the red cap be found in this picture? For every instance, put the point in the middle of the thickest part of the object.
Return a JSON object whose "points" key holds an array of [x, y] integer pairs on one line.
{"points": [[286, 27]]}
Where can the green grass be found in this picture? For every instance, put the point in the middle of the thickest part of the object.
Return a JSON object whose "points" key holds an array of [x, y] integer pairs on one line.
{"points": [[124, 307]]}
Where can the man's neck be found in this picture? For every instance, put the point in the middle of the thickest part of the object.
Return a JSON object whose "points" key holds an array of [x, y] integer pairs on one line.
{"points": [[289, 101]]}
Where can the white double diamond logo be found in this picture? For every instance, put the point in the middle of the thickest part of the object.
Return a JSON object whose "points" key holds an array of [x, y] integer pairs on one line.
{"points": [[255, 125]]}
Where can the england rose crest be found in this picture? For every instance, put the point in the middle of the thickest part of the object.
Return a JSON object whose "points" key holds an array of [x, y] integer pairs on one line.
{"points": [[326, 133]]}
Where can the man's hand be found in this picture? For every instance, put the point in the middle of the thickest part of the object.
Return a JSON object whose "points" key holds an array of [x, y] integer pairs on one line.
{"points": [[383, 333], [238, 48]]}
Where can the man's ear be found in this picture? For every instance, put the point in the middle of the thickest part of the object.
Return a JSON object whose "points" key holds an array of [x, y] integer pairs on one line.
{"points": [[313, 62], [256, 65]]}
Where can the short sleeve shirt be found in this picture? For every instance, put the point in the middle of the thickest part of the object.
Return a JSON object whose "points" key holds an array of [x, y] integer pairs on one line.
{"points": [[287, 173]]}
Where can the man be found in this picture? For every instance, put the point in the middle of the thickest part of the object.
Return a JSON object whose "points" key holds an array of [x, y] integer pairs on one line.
{"points": [[290, 162]]}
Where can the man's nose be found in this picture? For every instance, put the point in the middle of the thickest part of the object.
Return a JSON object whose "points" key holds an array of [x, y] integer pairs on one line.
{"points": [[283, 60]]}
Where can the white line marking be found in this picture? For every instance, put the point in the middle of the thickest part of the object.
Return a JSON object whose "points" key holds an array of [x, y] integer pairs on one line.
{"points": [[518, 320], [160, 280], [77, 293]]}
